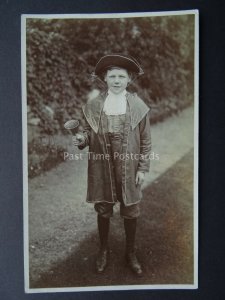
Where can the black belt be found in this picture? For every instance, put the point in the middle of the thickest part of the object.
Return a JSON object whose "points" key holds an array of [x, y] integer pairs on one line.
{"points": [[115, 135]]}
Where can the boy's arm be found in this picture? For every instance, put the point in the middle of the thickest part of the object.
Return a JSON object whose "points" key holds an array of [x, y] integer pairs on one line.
{"points": [[145, 144], [86, 128]]}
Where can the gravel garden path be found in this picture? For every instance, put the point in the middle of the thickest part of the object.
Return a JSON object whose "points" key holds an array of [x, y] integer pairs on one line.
{"points": [[62, 226]]}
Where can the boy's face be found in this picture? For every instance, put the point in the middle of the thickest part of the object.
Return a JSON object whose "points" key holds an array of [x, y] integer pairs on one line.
{"points": [[117, 80]]}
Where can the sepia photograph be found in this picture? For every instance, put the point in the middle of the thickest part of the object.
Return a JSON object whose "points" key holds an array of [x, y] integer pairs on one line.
{"points": [[110, 151]]}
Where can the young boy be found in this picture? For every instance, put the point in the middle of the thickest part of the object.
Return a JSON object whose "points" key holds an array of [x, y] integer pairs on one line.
{"points": [[117, 132]]}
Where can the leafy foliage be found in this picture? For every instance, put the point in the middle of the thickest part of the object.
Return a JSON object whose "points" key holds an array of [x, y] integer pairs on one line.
{"points": [[43, 156], [62, 54]]}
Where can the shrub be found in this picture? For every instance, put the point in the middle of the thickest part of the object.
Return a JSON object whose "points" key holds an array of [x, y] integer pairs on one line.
{"points": [[62, 53]]}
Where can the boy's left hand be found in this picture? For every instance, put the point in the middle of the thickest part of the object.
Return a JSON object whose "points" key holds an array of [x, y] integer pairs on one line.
{"points": [[140, 177]]}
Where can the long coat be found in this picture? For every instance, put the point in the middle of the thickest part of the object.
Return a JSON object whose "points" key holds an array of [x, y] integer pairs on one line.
{"points": [[135, 151]]}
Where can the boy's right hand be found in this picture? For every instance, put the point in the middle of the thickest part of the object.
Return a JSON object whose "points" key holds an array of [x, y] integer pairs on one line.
{"points": [[78, 139]]}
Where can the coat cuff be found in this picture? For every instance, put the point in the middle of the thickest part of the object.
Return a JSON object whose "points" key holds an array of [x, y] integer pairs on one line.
{"points": [[143, 169]]}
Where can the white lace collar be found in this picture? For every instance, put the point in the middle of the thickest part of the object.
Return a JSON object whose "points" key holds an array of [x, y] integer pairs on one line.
{"points": [[115, 104]]}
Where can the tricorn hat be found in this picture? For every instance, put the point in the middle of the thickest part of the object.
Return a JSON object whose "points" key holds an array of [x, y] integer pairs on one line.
{"points": [[117, 60]]}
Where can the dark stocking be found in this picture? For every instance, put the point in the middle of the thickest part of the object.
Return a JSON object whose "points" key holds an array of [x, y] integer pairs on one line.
{"points": [[103, 229], [130, 231]]}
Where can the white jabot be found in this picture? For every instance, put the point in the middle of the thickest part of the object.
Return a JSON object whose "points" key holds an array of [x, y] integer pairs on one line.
{"points": [[115, 104]]}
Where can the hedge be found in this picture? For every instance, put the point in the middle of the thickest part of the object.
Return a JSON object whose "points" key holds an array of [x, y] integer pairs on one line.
{"points": [[62, 53]]}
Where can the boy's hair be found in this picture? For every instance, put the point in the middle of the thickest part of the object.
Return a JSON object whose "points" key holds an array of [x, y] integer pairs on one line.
{"points": [[120, 60], [130, 74]]}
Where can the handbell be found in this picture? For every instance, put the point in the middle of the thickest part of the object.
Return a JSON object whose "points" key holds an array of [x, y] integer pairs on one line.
{"points": [[73, 126]]}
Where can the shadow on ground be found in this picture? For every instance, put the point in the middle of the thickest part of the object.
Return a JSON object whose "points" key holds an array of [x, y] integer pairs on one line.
{"points": [[164, 239]]}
